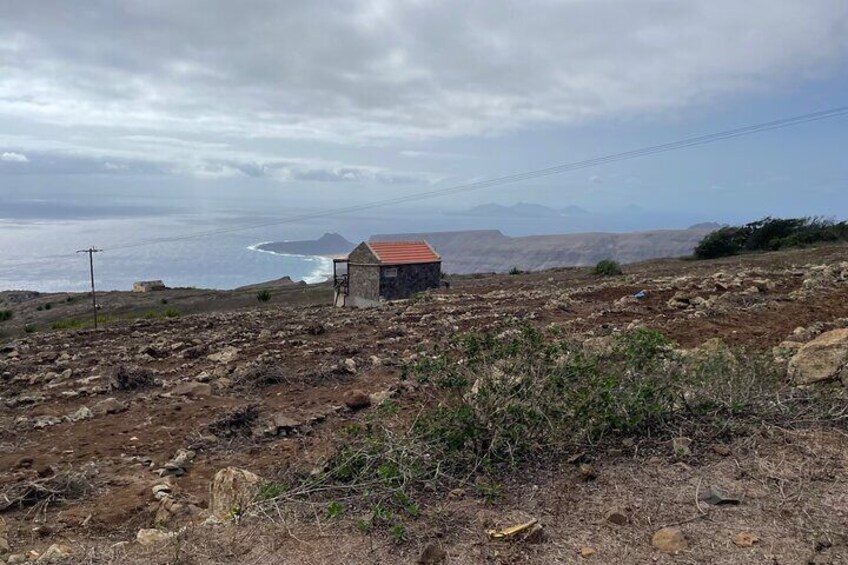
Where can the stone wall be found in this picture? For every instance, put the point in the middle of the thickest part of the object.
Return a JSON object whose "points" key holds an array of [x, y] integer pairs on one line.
{"points": [[409, 280], [362, 254], [364, 284]]}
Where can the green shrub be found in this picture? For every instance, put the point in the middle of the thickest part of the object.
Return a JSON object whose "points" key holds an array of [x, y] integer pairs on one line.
{"points": [[48, 306], [516, 271], [171, 313], [268, 491], [6, 315], [488, 404], [607, 268], [67, 324], [770, 234], [263, 295]]}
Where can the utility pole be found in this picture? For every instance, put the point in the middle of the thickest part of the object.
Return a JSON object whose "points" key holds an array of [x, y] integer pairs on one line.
{"points": [[91, 251]]}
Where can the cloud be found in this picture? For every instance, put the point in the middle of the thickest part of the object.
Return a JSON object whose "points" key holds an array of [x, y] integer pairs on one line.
{"points": [[11, 157], [377, 71]]}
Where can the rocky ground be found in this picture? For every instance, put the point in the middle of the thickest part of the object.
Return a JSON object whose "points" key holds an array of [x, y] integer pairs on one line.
{"points": [[110, 439]]}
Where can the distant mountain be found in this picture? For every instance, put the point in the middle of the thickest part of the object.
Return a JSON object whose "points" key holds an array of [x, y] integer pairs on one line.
{"points": [[711, 226], [574, 210], [327, 244], [476, 251], [521, 209], [491, 251]]}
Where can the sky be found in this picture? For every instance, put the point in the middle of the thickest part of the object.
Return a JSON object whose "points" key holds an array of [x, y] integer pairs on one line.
{"points": [[128, 108]]}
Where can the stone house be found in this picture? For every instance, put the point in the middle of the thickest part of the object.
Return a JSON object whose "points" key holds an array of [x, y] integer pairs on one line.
{"points": [[148, 286], [385, 270]]}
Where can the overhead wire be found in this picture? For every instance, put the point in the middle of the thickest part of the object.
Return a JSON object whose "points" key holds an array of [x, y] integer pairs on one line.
{"points": [[504, 180]]}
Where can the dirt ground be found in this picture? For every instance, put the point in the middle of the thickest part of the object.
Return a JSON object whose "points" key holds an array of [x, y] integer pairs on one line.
{"points": [[195, 370]]}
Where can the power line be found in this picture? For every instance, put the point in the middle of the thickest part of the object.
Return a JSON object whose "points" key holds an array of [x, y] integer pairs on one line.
{"points": [[529, 175], [510, 179]]}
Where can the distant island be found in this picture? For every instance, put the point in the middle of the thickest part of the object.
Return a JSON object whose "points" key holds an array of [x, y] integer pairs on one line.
{"points": [[327, 245]]}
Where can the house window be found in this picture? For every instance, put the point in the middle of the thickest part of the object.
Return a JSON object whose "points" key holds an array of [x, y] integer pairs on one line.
{"points": [[390, 272]]}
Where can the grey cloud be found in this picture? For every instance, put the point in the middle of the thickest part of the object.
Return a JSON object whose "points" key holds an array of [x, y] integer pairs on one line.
{"points": [[316, 171], [382, 70]]}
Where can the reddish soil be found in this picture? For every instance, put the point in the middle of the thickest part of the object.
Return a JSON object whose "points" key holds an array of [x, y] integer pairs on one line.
{"points": [[310, 346]]}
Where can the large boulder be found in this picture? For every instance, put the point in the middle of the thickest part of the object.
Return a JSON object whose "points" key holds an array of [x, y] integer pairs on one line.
{"points": [[153, 536], [232, 491], [822, 359]]}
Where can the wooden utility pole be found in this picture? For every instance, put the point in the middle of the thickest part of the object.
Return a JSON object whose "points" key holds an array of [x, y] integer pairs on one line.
{"points": [[91, 251]]}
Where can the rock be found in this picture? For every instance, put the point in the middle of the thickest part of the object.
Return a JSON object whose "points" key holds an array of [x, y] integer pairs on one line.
{"points": [[587, 472], [745, 539], [82, 414], [681, 446], [152, 536], [4, 541], [179, 464], [679, 300], [586, 552], [357, 400], [232, 491], [225, 356], [669, 540], [822, 359], [721, 449], [715, 496], [350, 366], [618, 517], [41, 422], [161, 491], [192, 389], [108, 406], [16, 559], [55, 554], [432, 554], [170, 511]]}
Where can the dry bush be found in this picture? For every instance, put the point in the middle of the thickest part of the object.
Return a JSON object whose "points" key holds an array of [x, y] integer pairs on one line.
{"points": [[236, 422], [258, 376], [65, 485]]}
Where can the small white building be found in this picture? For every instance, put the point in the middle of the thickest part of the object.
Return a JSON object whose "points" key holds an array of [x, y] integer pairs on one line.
{"points": [[148, 286]]}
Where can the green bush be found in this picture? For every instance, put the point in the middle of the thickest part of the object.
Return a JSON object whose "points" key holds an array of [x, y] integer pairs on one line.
{"points": [[607, 268], [516, 271], [488, 404], [6, 315], [67, 324], [171, 313], [263, 295]]}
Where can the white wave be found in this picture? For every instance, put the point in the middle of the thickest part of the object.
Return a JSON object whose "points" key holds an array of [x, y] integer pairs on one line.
{"points": [[320, 273]]}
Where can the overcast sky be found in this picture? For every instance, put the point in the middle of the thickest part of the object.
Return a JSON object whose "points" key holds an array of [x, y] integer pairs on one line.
{"points": [[321, 103]]}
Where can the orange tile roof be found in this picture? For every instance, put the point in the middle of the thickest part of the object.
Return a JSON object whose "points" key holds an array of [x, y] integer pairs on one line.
{"points": [[403, 252]]}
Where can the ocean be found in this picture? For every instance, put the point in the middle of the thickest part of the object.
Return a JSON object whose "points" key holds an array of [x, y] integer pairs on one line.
{"points": [[152, 236], [41, 254]]}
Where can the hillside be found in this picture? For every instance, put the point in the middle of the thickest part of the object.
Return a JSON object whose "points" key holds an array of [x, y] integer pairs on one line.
{"points": [[371, 433], [491, 251]]}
